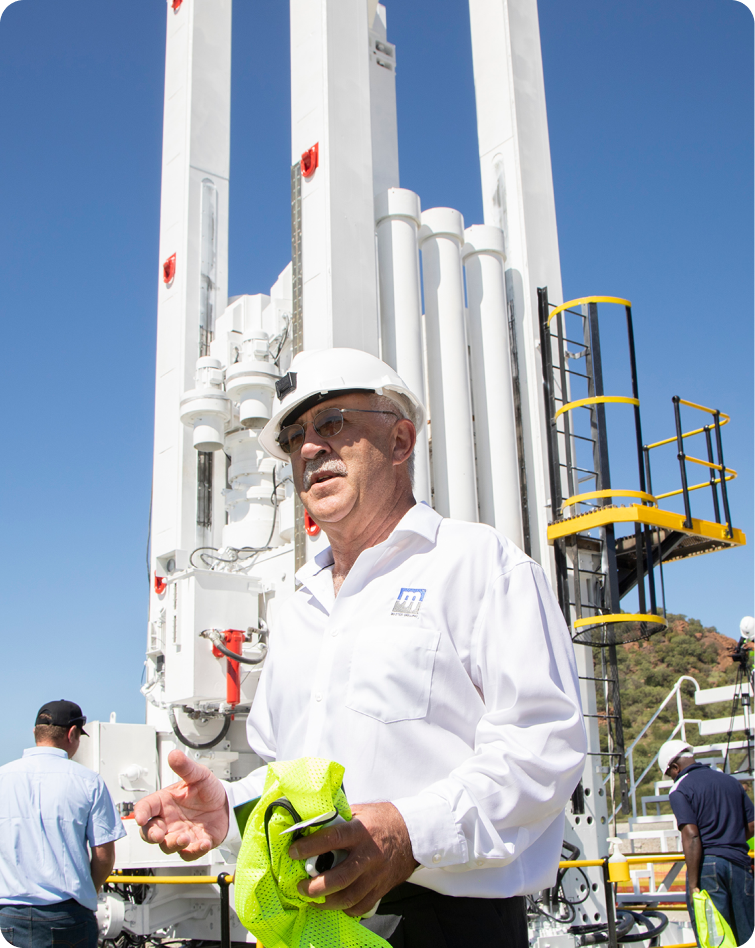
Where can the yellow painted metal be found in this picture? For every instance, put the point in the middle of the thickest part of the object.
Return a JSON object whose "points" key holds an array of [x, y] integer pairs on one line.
{"points": [[617, 492], [596, 400], [723, 419], [675, 493], [710, 411], [710, 464], [632, 860], [619, 617], [639, 513], [163, 880], [587, 299]]}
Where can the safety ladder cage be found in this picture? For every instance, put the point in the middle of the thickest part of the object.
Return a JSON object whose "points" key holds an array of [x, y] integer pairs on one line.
{"points": [[595, 569]]}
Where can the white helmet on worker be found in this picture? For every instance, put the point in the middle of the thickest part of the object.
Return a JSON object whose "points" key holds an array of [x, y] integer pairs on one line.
{"points": [[672, 750], [320, 374]]}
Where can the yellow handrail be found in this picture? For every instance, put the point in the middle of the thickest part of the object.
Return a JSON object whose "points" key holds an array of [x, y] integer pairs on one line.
{"points": [[612, 492], [680, 490], [587, 299], [619, 617], [596, 400], [165, 880]]}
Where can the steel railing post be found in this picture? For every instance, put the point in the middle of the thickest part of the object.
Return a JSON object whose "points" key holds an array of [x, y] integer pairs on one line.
{"points": [[724, 491], [712, 471], [682, 461], [224, 882], [610, 907]]}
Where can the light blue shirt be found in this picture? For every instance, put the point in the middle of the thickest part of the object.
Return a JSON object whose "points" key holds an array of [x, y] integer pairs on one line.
{"points": [[50, 808]]}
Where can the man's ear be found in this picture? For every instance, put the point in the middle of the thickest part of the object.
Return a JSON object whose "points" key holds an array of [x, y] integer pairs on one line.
{"points": [[73, 733], [406, 438]]}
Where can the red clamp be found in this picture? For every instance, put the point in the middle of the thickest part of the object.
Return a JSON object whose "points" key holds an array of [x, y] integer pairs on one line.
{"points": [[232, 639], [176, 4], [169, 269], [310, 527], [310, 160], [161, 584]]}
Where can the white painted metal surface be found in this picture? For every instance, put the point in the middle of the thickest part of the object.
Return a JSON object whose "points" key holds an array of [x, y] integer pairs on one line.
{"points": [[453, 468], [492, 392], [397, 217]]}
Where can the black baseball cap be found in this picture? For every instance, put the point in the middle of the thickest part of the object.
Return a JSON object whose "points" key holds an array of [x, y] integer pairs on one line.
{"points": [[62, 714]]}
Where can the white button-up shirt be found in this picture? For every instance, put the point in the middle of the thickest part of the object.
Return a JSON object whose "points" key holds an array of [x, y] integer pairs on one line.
{"points": [[443, 678], [50, 808]]}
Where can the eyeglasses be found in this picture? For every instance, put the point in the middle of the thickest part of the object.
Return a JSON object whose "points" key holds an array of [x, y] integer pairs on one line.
{"points": [[326, 423]]}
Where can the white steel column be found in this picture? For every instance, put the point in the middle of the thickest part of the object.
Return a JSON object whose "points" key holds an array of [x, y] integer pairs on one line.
{"points": [[194, 228], [397, 212], [494, 421], [330, 108], [517, 193], [454, 481], [383, 103]]}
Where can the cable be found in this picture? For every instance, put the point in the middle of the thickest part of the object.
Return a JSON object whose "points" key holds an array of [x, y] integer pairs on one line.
{"points": [[643, 917], [192, 744], [234, 554]]}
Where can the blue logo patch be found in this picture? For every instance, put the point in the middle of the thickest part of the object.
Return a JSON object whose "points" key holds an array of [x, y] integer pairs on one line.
{"points": [[408, 602]]}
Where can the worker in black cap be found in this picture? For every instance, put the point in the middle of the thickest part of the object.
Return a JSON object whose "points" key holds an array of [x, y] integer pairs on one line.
{"points": [[50, 809]]}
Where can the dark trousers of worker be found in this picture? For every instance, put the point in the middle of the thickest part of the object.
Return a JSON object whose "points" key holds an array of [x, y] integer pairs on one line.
{"points": [[411, 916], [60, 925], [730, 888]]}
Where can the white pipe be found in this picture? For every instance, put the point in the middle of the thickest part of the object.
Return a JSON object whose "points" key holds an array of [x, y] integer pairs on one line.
{"points": [[441, 237], [397, 215], [492, 392]]}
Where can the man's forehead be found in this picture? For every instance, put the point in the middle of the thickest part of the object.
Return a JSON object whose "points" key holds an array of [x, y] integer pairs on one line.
{"points": [[336, 400]]}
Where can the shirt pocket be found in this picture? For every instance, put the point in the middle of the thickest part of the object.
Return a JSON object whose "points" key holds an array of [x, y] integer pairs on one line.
{"points": [[391, 673]]}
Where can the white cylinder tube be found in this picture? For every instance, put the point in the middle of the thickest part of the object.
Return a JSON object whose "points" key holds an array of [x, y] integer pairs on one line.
{"points": [[397, 215], [441, 237], [492, 391]]}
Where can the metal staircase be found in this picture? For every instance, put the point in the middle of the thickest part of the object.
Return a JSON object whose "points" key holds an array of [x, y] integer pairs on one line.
{"points": [[610, 541]]}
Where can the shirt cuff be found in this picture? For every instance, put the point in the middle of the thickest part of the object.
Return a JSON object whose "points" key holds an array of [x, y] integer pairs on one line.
{"points": [[232, 842], [437, 841]]}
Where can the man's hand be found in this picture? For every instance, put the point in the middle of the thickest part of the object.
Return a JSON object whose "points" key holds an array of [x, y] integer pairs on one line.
{"points": [[189, 817], [380, 857]]}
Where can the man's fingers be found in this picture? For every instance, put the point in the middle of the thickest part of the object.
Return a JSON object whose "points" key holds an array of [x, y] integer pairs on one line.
{"points": [[364, 905], [340, 836], [148, 808]]}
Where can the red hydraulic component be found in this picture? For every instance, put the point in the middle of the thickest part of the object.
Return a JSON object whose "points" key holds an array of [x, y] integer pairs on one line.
{"points": [[232, 639], [310, 526], [310, 160], [169, 267], [176, 4], [161, 584]]}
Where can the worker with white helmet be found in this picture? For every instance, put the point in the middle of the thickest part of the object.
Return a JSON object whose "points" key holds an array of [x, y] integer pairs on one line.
{"points": [[427, 656], [715, 817]]}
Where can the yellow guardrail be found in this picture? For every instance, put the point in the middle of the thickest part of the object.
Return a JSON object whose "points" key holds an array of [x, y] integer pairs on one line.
{"points": [[584, 300], [597, 400]]}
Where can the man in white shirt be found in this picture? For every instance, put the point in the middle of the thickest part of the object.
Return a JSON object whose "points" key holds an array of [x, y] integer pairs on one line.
{"points": [[50, 809], [427, 656]]}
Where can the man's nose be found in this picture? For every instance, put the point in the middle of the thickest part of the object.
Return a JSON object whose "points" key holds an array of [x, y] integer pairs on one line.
{"points": [[314, 445]]}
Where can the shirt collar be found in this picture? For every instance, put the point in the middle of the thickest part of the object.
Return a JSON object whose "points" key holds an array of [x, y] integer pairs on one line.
{"points": [[55, 751], [420, 519]]}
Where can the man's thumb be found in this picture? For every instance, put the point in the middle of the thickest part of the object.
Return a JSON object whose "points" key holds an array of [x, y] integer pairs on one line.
{"points": [[188, 770]]}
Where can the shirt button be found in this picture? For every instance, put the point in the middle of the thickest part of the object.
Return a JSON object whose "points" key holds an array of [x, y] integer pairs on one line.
{"points": [[437, 857], [318, 696], [334, 632], [480, 862]]}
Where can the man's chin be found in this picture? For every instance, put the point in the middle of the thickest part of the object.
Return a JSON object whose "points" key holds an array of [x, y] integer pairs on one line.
{"points": [[325, 510]]}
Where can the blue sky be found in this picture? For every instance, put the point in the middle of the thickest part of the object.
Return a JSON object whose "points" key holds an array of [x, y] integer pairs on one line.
{"points": [[650, 113]]}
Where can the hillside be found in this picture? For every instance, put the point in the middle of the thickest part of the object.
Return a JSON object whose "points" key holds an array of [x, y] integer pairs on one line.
{"points": [[648, 670]]}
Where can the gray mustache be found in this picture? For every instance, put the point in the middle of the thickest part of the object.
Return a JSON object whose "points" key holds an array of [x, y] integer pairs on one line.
{"points": [[331, 465]]}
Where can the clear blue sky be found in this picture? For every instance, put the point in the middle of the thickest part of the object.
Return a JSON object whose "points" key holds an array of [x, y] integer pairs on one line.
{"points": [[650, 111]]}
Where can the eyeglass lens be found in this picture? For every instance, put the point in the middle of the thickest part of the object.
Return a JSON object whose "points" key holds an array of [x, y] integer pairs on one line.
{"points": [[327, 424]]}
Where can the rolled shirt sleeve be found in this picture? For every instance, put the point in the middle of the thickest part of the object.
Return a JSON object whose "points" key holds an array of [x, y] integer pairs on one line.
{"points": [[529, 745], [104, 824]]}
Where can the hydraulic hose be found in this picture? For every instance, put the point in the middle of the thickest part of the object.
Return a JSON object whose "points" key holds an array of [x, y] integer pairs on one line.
{"points": [[192, 744], [217, 640], [643, 918]]}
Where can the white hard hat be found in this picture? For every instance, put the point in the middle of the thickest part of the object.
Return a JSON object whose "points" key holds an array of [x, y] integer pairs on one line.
{"points": [[319, 374], [670, 751]]}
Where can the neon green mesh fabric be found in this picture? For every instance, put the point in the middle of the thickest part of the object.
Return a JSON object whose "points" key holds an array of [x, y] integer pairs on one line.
{"points": [[267, 900]]}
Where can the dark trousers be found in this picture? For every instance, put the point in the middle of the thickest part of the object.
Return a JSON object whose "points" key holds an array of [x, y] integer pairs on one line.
{"points": [[411, 916], [730, 888], [60, 925]]}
